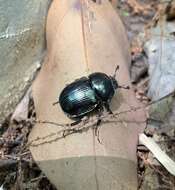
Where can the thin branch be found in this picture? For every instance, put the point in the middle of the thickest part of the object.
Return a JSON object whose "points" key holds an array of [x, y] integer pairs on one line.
{"points": [[68, 129]]}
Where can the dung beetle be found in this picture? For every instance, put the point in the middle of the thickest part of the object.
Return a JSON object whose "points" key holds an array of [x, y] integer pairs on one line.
{"points": [[87, 94]]}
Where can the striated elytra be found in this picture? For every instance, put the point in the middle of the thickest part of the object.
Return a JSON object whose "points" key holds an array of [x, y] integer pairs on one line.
{"points": [[87, 94]]}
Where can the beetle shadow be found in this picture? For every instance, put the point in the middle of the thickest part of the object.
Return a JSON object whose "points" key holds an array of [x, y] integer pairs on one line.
{"points": [[116, 101]]}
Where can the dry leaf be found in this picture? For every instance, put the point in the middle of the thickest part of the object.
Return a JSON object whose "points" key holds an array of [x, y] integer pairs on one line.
{"points": [[85, 37]]}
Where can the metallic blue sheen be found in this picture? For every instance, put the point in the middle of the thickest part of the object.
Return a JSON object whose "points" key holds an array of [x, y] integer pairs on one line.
{"points": [[86, 94]]}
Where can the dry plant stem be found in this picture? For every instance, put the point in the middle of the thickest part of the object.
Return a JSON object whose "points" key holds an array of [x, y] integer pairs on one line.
{"points": [[82, 127], [65, 132], [38, 178], [88, 123]]}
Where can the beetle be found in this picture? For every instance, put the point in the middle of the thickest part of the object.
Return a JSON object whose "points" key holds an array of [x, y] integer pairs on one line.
{"points": [[87, 94]]}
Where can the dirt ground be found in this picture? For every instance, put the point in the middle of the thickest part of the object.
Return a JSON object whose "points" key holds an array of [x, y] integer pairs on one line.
{"points": [[17, 168]]}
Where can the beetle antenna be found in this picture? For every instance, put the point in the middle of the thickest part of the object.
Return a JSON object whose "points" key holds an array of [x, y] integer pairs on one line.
{"points": [[116, 69], [55, 103], [124, 87]]}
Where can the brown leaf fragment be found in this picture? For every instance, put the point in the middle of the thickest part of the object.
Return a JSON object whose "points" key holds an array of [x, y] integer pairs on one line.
{"points": [[138, 8]]}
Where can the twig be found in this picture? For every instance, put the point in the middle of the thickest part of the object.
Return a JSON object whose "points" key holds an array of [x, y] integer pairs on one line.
{"points": [[86, 124], [38, 178]]}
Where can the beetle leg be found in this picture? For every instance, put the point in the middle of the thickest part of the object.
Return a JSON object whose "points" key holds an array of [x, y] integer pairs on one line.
{"points": [[108, 109], [55, 103], [97, 126], [97, 130], [100, 110], [76, 122], [98, 136], [64, 134]]}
